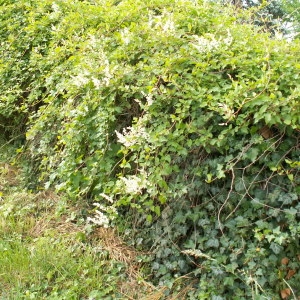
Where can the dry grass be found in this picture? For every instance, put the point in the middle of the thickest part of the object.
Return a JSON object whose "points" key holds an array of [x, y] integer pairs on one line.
{"points": [[61, 227], [112, 242], [160, 294], [156, 295], [9, 175], [135, 287]]}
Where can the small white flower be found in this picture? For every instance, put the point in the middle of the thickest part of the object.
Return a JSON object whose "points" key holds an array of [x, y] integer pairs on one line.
{"points": [[93, 41], [126, 36], [227, 111], [108, 198], [107, 74], [55, 7], [168, 26], [163, 23], [134, 184], [81, 79], [103, 215], [204, 44], [133, 135], [228, 40], [96, 82], [100, 219], [149, 98]]}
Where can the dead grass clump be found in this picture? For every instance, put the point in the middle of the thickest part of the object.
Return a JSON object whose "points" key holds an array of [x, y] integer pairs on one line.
{"points": [[61, 227], [9, 175], [159, 294], [114, 245], [135, 286]]}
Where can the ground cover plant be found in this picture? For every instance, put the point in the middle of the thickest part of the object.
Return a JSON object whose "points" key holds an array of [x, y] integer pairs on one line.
{"points": [[180, 120]]}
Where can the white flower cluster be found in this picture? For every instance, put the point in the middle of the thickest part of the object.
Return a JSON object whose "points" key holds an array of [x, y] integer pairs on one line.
{"points": [[103, 214], [56, 12], [87, 74], [85, 77], [100, 219], [133, 135], [227, 112], [229, 39], [205, 44], [126, 36], [163, 23], [149, 98], [81, 79], [208, 42], [55, 7], [134, 184], [107, 73]]}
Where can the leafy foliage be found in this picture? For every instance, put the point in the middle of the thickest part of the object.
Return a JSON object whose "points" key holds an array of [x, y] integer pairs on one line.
{"points": [[273, 15], [182, 111]]}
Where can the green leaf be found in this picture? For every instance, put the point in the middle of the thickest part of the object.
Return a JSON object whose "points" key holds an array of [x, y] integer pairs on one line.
{"points": [[209, 178], [239, 185], [149, 218], [157, 210], [212, 243], [287, 119], [275, 248], [252, 153]]}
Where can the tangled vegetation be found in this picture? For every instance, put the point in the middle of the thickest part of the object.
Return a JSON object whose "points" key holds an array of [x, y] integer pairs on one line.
{"points": [[47, 251], [180, 119]]}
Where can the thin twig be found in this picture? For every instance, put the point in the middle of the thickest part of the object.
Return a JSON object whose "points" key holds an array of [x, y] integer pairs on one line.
{"points": [[226, 200], [290, 288]]}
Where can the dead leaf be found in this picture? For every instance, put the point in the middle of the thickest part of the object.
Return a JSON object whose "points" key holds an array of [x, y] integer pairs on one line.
{"points": [[285, 261], [285, 293], [266, 132], [290, 274]]}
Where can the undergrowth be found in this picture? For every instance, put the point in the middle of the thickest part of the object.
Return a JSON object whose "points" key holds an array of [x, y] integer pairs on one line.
{"points": [[46, 254]]}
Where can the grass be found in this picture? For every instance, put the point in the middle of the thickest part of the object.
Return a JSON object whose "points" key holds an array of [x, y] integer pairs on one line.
{"points": [[46, 252]]}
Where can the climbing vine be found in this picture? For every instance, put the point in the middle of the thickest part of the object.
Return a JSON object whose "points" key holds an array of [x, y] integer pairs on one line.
{"points": [[181, 116]]}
